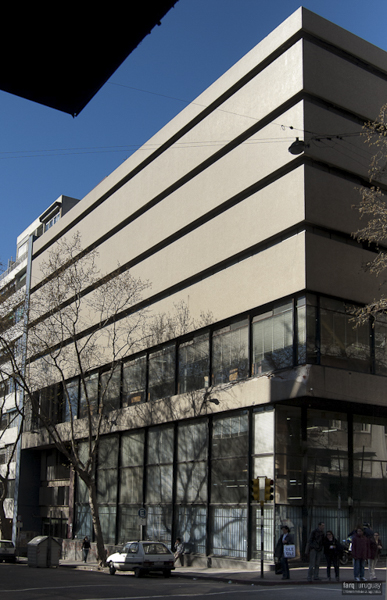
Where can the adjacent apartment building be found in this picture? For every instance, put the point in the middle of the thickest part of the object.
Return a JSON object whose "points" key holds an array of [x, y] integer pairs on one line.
{"points": [[223, 219], [14, 297]]}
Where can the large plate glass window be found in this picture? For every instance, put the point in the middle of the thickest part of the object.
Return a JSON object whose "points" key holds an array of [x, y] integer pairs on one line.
{"points": [[342, 344], [89, 396], [380, 333], [194, 364], [273, 339], [107, 477], [327, 457], [370, 461], [162, 373], [131, 484], [134, 381], [110, 388], [230, 356], [71, 396], [159, 468], [229, 459]]}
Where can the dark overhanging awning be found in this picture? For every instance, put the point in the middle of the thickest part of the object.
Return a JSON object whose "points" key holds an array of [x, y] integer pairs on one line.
{"points": [[60, 55]]}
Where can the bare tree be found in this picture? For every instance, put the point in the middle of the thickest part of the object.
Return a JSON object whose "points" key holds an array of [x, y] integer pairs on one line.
{"points": [[10, 432], [78, 321], [373, 207], [11, 329]]}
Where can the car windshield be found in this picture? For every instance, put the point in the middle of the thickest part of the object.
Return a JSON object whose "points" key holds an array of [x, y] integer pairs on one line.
{"points": [[132, 549], [155, 549], [6, 544]]}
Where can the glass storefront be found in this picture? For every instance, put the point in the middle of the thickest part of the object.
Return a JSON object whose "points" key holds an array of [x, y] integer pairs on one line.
{"points": [[193, 478]]}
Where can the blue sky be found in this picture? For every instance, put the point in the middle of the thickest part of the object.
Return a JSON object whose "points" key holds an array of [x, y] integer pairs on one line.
{"points": [[45, 153]]}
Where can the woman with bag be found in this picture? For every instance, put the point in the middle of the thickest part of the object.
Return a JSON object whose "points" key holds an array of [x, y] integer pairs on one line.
{"points": [[284, 540]]}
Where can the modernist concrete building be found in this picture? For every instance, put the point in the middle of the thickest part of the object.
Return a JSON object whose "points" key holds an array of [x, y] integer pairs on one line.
{"points": [[217, 213]]}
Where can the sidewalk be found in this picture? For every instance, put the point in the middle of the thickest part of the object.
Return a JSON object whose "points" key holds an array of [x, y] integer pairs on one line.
{"points": [[298, 575]]}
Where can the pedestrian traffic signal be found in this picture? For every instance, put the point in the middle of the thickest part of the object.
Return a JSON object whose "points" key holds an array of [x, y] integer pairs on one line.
{"points": [[269, 489], [255, 489]]}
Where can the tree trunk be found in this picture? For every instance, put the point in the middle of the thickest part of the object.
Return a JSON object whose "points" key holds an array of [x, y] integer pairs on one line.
{"points": [[101, 552]]}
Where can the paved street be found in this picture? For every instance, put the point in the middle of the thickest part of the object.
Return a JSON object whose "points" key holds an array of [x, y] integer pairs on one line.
{"points": [[75, 582]]}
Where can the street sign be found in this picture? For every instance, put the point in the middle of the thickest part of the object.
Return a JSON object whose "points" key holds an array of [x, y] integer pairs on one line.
{"points": [[142, 513]]}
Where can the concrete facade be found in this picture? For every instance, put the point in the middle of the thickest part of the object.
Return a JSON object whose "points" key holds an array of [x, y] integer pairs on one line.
{"points": [[215, 212]]}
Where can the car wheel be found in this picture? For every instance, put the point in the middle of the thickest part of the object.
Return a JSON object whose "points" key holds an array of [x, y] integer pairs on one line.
{"points": [[167, 573], [344, 559], [112, 569], [138, 572]]}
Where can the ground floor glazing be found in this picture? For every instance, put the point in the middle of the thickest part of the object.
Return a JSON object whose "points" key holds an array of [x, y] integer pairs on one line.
{"points": [[194, 479]]}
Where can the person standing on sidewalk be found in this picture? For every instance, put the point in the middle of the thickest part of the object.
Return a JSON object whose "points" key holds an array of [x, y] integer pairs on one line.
{"points": [[332, 550], [315, 549], [284, 539], [85, 548], [375, 548], [360, 552]]}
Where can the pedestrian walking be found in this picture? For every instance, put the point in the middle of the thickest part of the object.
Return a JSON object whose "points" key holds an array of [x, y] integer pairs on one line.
{"points": [[375, 548], [179, 551], [332, 550], [85, 548], [315, 549], [284, 539], [360, 553]]}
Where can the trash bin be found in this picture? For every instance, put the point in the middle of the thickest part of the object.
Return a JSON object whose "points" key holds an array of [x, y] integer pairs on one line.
{"points": [[44, 551]]}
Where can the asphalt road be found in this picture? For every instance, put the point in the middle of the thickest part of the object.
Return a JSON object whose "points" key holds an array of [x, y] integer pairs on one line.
{"points": [[20, 582]]}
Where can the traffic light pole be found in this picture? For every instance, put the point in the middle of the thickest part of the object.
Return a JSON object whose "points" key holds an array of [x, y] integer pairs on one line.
{"points": [[262, 538], [262, 490]]}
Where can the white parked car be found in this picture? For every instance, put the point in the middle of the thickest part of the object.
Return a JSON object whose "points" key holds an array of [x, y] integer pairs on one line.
{"points": [[142, 557], [7, 551]]}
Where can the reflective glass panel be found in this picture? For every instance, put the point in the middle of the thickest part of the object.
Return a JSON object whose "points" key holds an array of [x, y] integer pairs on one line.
{"points": [[71, 400], [192, 482], [194, 364], [273, 339], [110, 389], [132, 449], [327, 457], [192, 441], [89, 396], [162, 373], [191, 527], [230, 436], [369, 460], [230, 353], [131, 485], [342, 344], [134, 381], [159, 484], [160, 445], [380, 334]]}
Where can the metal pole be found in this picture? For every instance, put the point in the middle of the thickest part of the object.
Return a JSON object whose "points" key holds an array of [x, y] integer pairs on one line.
{"points": [[262, 543], [386, 581], [338, 516]]}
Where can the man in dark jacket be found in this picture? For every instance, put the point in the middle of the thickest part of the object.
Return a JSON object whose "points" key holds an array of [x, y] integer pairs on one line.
{"points": [[315, 549], [284, 539], [360, 552]]}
